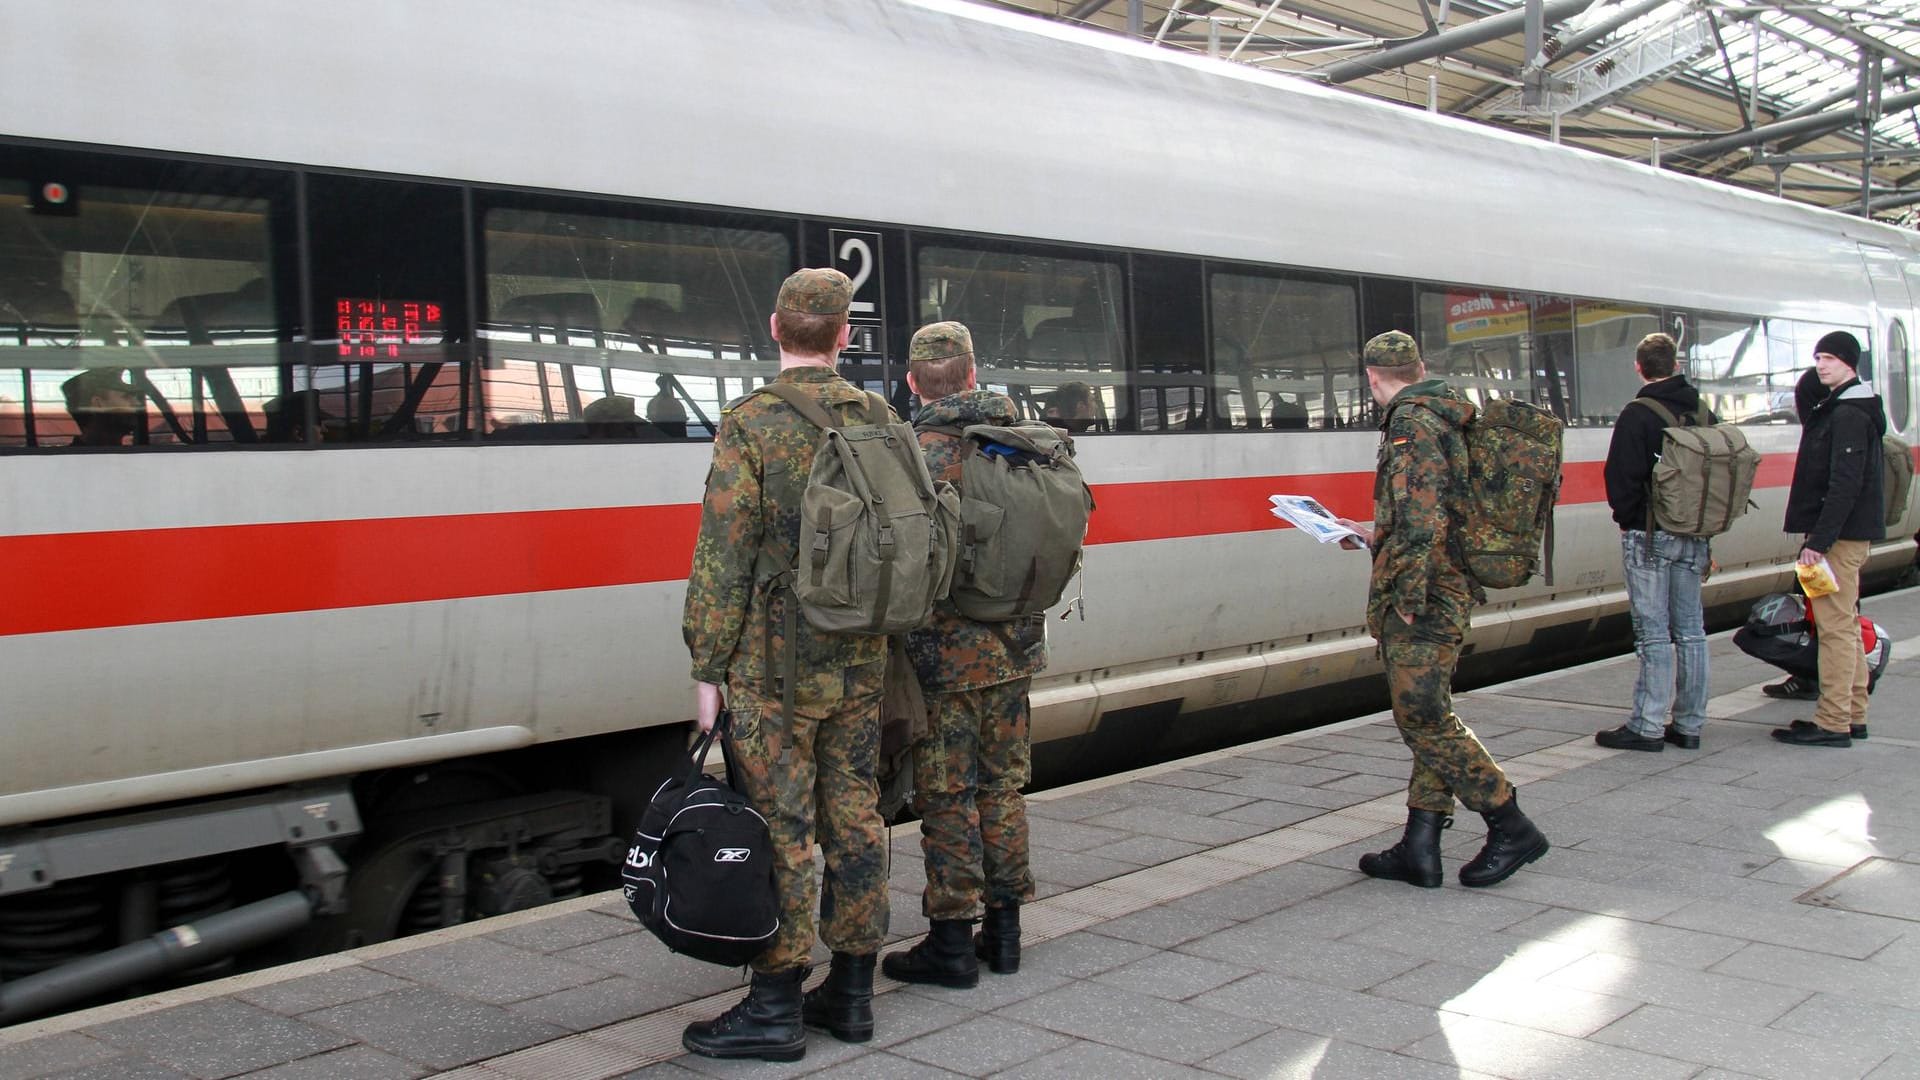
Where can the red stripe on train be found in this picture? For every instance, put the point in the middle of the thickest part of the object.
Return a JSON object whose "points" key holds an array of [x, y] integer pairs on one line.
{"points": [[78, 581]]}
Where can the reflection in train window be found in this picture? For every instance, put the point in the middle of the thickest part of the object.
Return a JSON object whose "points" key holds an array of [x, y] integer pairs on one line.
{"points": [[1789, 353], [1046, 330], [1726, 356], [1606, 335], [1899, 397], [1170, 344], [131, 316], [621, 327], [1286, 352], [1480, 340]]}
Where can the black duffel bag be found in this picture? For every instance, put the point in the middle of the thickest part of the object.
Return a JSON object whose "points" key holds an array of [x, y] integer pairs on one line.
{"points": [[700, 872]]}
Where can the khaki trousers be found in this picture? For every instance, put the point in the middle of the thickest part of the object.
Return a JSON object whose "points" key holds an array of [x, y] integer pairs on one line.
{"points": [[1843, 665]]}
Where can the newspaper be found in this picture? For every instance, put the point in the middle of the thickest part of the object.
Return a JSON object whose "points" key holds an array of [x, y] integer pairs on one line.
{"points": [[1305, 513]]}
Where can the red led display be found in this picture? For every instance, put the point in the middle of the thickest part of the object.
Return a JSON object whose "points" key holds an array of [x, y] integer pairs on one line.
{"points": [[375, 328]]}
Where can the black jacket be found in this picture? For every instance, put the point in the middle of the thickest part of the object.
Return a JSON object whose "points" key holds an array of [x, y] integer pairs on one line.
{"points": [[1636, 446], [1837, 489]]}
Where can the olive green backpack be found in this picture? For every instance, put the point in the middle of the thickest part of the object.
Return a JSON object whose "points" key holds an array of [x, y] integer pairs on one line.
{"points": [[876, 532]]}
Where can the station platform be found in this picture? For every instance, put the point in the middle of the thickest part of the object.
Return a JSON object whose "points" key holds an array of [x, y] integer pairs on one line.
{"points": [[1744, 909]]}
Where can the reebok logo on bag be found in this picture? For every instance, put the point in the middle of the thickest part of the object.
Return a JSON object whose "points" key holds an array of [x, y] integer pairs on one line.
{"points": [[1704, 476], [700, 872]]}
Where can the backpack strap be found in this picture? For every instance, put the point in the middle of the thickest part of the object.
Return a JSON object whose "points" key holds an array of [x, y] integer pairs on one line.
{"points": [[819, 417], [1663, 412], [802, 403], [955, 430]]}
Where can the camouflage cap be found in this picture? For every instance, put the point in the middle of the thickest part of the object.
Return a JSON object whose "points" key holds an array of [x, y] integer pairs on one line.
{"points": [[93, 382], [1392, 349], [937, 341], [816, 291]]}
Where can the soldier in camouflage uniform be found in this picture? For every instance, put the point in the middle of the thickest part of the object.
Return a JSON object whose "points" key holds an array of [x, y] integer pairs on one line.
{"points": [[978, 754], [820, 759], [1418, 604]]}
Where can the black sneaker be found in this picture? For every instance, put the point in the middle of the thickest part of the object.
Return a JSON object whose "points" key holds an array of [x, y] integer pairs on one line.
{"points": [[1811, 735], [1680, 738], [1794, 689], [1858, 731], [1625, 738]]}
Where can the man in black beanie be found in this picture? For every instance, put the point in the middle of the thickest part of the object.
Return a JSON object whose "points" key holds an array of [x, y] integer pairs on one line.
{"points": [[1836, 500]]}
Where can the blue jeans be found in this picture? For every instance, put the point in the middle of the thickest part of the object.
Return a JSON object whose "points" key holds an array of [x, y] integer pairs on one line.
{"points": [[1669, 630]]}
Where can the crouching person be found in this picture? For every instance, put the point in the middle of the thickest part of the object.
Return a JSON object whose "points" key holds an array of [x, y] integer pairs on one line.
{"points": [[978, 753]]}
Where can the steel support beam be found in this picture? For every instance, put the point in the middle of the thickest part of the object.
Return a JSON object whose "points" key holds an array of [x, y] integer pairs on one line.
{"points": [[1818, 123], [1491, 28], [1086, 10], [1889, 202], [1576, 42]]}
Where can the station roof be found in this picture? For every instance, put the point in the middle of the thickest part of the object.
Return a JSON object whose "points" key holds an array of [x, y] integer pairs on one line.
{"points": [[1818, 103]]}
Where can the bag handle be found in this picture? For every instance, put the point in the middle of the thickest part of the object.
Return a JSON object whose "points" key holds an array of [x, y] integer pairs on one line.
{"points": [[697, 754]]}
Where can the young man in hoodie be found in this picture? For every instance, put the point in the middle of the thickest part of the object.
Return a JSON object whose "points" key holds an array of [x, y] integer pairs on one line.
{"points": [[1418, 604], [978, 754], [1836, 500], [1663, 570]]}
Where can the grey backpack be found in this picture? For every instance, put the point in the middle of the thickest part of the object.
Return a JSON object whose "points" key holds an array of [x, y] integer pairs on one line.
{"points": [[876, 533], [1703, 478], [1023, 519]]}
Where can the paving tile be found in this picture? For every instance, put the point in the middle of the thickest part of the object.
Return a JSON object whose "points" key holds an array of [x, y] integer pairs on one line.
{"points": [[1524, 1002], [487, 971], [216, 1038], [1285, 791], [352, 1063], [336, 987], [1081, 955], [565, 931], [1573, 862], [1146, 850], [1841, 933], [597, 1004], [1433, 939], [1270, 814], [1673, 853], [1272, 772], [1509, 1050], [1705, 993], [1073, 807], [1484, 909], [1266, 891], [1157, 821], [885, 1066], [901, 1017], [1073, 870], [1273, 945], [1817, 971], [992, 992], [1782, 1055], [1161, 926], [1083, 1060], [983, 1045], [1168, 1030], [1625, 937], [1297, 1055], [1174, 976], [1275, 1000], [1071, 835], [1706, 884], [1596, 897], [124, 1068], [435, 1028], [640, 955], [1901, 1066], [1392, 768], [1292, 753], [52, 1054], [1180, 798], [1366, 784], [1832, 1016], [1795, 872]]}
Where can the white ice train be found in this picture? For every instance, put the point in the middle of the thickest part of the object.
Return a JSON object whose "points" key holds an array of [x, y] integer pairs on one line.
{"points": [[371, 608]]}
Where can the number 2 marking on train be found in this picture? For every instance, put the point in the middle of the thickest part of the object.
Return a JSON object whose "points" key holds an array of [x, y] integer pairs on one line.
{"points": [[849, 248]]}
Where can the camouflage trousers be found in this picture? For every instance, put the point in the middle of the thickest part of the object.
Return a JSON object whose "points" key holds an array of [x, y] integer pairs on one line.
{"points": [[813, 774], [1448, 761], [967, 777]]}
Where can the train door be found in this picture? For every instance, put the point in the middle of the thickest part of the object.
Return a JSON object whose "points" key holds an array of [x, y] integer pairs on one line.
{"points": [[1892, 334], [881, 318]]}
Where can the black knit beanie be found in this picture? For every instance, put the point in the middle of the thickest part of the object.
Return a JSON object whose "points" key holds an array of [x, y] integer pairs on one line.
{"points": [[1840, 344]]}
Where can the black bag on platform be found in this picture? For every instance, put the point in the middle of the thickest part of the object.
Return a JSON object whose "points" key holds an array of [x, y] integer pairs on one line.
{"points": [[700, 872]]}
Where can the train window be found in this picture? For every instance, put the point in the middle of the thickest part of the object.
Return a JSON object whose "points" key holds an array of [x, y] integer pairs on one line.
{"points": [[1479, 340], [1899, 394], [1170, 344], [389, 358], [1605, 338], [1789, 354], [1286, 351], [1728, 358], [623, 327], [137, 315], [1046, 329]]}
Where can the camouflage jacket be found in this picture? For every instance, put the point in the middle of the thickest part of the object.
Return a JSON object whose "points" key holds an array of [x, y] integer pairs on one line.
{"points": [[749, 531], [954, 652], [1419, 491]]}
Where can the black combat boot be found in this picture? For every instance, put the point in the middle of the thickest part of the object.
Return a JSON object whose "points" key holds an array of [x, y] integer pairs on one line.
{"points": [[945, 958], [765, 1025], [1416, 858], [843, 1004], [1512, 842], [998, 942]]}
